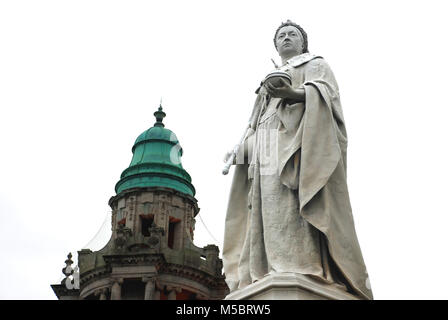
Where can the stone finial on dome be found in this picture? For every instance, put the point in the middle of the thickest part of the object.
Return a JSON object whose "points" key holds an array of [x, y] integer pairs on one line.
{"points": [[159, 114]]}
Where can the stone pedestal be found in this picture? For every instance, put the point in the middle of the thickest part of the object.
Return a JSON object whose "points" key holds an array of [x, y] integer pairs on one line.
{"points": [[289, 286]]}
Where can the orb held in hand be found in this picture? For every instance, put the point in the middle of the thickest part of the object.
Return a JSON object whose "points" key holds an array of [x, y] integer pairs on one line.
{"points": [[275, 78]]}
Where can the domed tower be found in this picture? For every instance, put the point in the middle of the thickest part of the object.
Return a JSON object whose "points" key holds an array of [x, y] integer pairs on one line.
{"points": [[151, 254]]}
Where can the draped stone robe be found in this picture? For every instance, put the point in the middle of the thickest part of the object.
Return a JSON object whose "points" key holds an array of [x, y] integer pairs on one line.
{"points": [[289, 209]]}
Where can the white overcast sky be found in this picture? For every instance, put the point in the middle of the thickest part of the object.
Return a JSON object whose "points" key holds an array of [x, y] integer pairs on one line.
{"points": [[80, 80]]}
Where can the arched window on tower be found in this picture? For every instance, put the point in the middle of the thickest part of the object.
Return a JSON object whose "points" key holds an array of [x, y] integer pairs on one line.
{"points": [[174, 233], [146, 222]]}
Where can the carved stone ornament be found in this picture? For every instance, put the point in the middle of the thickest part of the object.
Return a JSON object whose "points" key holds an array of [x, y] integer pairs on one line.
{"points": [[155, 235], [123, 235]]}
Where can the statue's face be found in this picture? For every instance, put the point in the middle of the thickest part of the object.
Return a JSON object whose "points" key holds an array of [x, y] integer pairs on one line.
{"points": [[289, 41]]}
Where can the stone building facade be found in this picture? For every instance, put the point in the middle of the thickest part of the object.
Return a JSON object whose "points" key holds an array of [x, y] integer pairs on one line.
{"points": [[151, 254]]}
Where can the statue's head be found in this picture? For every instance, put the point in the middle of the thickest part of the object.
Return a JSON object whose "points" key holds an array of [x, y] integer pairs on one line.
{"points": [[290, 39]]}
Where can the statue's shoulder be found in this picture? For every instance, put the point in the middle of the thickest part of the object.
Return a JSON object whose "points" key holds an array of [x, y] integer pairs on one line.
{"points": [[318, 63], [302, 59], [316, 60]]}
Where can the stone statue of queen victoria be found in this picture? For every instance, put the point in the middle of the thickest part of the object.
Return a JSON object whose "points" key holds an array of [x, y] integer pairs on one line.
{"points": [[289, 208]]}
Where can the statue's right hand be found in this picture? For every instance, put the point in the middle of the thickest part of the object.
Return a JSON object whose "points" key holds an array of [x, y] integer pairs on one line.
{"points": [[230, 153], [227, 156]]}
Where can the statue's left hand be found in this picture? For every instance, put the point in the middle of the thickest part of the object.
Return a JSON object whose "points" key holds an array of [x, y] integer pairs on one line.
{"points": [[286, 91]]}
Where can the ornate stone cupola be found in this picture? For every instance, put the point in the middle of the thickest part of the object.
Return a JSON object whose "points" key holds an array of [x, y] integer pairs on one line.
{"points": [[151, 254]]}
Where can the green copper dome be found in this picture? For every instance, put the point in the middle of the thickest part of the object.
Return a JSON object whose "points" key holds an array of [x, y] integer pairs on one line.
{"points": [[156, 161]]}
